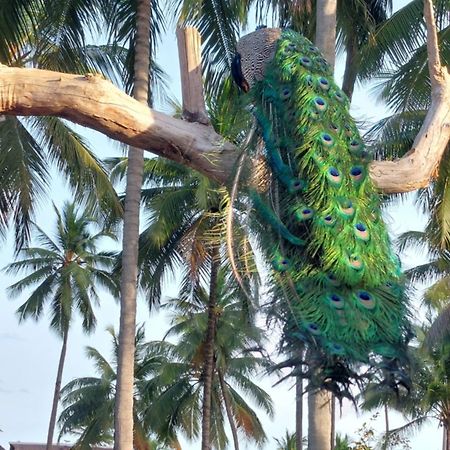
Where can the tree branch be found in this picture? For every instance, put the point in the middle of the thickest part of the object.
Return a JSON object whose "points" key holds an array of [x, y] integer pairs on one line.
{"points": [[94, 102], [189, 55], [417, 168]]}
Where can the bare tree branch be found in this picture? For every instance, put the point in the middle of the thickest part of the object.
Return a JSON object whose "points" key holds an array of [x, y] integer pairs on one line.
{"points": [[96, 103], [417, 168]]}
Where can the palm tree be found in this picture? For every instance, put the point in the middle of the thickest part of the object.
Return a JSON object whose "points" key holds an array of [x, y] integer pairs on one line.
{"points": [[234, 366], [169, 377], [89, 402], [123, 422], [50, 35], [66, 270], [187, 226]]}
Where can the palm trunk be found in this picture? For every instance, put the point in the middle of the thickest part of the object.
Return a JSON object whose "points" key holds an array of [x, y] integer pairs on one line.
{"points": [[208, 369], [333, 422], [444, 438], [386, 427], [123, 414], [351, 67], [299, 412], [226, 400], [326, 29], [447, 436], [319, 420], [57, 392]]}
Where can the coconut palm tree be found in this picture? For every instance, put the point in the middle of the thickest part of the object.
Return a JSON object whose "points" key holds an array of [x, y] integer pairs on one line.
{"points": [[50, 35], [66, 271], [89, 402], [234, 366], [169, 377]]}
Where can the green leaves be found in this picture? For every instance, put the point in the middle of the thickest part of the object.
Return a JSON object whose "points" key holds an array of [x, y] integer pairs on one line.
{"points": [[66, 270]]}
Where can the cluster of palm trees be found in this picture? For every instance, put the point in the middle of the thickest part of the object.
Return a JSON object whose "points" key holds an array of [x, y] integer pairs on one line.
{"points": [[200, 382]]}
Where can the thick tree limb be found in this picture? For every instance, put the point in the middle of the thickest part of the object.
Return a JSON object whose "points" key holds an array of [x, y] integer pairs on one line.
{"points": [[96, 103], [417, 168], [189, 55]]}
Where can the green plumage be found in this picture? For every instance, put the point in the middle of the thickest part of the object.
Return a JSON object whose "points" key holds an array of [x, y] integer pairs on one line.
{"points": [[331, 251]]}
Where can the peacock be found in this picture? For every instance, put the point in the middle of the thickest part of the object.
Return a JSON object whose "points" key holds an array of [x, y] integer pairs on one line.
{"points": [[331, 254]]}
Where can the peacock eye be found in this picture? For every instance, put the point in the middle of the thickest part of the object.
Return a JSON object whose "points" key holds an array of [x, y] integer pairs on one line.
{"points": [[361, 232], [334, 176], [339, 96], [305, 61], [326, 139], [324, 84], [320, 104]]}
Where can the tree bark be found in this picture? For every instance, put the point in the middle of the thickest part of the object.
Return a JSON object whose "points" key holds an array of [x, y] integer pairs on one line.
{"points": [[299, 412], [226, 400], [57, 392], [333, 422], [326, 29], [189, 55], [208, 369], [351, 67], [386, 428], [123, 418], [319, 420]]}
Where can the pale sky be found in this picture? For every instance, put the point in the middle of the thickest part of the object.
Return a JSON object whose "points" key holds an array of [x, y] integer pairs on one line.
{"points": [[29, 353]]}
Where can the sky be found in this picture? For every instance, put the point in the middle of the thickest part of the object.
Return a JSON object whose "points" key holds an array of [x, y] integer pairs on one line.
{"points": [[29, 352]]}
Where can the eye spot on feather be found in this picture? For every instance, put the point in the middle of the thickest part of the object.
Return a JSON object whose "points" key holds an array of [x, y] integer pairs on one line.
{"points": [[303, 213], [334, 177], [355, 262], [290, 48], [324, 83], [355, 145], [281, 264], [328, 220], [309, 81], [332, 280], [365, 299], [361, 232], [336, 349], [320, 104], [326, 139], [297, 185], [336, 301], [313, 328], [334, 127], [285, 93], [339, 96], [346, 208], [348, 130], [305, 61], [357, 174]]}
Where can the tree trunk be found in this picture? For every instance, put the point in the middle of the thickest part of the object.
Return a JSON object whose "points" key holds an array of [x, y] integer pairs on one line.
{"points": [[333, 422], [226, 399], [326, 29], [299, 413], [351, 67], [447, 436], [208, 369], [57, 392], [386, 428], [319, 420], [123, 417]]}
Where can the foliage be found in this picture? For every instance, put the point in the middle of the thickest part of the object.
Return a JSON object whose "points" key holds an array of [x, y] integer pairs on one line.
{"points": [[66, 269]]}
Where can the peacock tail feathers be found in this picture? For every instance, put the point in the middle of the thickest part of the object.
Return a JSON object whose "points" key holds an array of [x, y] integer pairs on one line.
{"points": [[331, 252]]}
